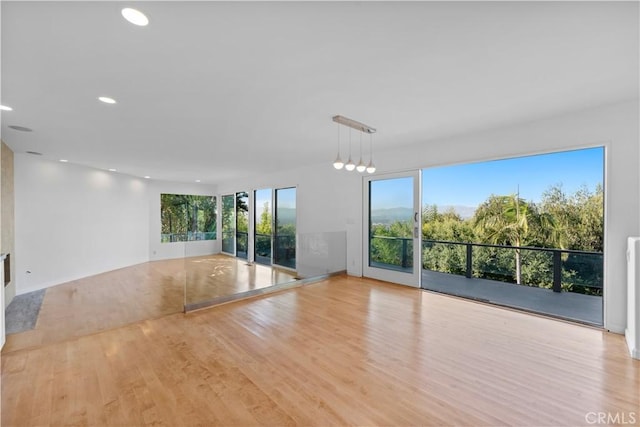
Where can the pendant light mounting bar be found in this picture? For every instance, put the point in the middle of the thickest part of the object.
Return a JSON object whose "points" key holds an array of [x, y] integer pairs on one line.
{"points": [[353, 124]]}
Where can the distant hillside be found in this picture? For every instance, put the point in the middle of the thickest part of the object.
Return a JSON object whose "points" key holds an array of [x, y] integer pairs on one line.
{"points": [[464, 211], [286, 216], [391, 215]]}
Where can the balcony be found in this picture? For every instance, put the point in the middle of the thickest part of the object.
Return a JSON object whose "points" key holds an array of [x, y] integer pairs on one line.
{"points": [[284, 251], [187, 237], [555, 282]]}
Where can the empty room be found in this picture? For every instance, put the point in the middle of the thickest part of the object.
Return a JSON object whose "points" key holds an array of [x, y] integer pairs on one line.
{"points": [[320, 213]]}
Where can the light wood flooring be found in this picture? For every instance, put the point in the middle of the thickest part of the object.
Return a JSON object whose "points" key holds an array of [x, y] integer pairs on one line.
{"points": [[140, 292], [212, 277], [343, 351]]}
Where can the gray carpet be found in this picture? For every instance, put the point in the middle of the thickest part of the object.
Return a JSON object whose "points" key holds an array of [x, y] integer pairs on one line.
{"points": [[22, 313]]}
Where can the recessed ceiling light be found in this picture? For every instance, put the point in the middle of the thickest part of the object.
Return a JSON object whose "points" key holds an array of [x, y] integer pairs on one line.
{"points": [[135, 16], [197, 180], [113, 170], [5, 108], [20, 128], [107, 100], [64, 160], [147, 177]]}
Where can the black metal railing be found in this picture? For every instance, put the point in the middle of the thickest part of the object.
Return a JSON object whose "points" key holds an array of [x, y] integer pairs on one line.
{"points": [[228, 241], [395, 252], [263, 245], [558, 269], [242, 244], [187, 237], [284, 251], [554, 268]]}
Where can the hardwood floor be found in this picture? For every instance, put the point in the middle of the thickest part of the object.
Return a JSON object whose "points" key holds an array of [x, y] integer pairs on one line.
{"points": [[141, 292], [212, 277], [343, 351]]}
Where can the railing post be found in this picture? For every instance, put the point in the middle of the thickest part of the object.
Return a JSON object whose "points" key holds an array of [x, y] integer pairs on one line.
{"points": [[404, 253], [469, 260], [557, 271]]}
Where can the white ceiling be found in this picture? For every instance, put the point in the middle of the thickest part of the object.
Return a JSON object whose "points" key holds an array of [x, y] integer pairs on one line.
{"points": [[216, 91]]}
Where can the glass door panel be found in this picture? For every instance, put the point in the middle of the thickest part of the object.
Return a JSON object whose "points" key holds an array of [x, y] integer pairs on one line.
{"points": [[284, 252], [392, 232], [263, 214], [242, 224], [228, 224]]}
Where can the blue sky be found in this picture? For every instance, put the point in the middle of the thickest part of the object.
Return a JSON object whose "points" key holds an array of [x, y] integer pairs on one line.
{"points": [[286, 198], [392, 193], [471, 184], [262, 196]]}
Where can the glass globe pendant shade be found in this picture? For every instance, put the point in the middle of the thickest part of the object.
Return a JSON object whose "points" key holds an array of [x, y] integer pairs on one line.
{"points": [[350, 165], [338, 163], [361, 166], [371, 168]]}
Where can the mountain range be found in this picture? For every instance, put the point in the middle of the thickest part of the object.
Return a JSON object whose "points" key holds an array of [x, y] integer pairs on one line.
{"points": [[391, 215]]}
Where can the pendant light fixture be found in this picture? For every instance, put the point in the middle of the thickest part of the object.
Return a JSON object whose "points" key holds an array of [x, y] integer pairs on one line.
{"points": [[350, 165], [338, 163]]}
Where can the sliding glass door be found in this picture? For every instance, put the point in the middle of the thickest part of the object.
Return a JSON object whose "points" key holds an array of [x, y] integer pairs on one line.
{"points": [[263, 214], [242, 224], [228, 224], [392, 228], [284, 252]]}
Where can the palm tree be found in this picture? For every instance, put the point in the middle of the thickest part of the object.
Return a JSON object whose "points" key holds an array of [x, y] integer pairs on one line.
{"points": [[504, 220], [510, 220]]}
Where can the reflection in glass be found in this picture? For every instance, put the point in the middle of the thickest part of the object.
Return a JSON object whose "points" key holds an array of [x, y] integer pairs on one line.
{"points": [[242, 224], [228, 224], [285, 234], [391, 224], [263, 218]]}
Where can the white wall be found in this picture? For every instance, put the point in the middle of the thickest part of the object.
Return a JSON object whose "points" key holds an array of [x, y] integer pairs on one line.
{"points": [[614, 126], [158, 250], [73, 221]]}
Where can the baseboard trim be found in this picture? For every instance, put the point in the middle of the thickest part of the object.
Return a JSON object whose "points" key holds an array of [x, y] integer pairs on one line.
{"points": [[633, 349]]}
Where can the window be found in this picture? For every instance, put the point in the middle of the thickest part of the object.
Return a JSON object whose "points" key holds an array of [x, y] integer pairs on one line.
{"points": [[187, 217], [285, 232]]}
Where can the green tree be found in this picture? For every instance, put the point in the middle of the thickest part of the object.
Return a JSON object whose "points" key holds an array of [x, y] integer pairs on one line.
{"points": [[242, 212], [504, 220], [449, 227], [579, 216], [264, 225], [184, 215]]}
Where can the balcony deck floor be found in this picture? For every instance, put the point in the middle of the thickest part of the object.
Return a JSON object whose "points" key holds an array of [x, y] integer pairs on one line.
{"points": [[567, 305]]}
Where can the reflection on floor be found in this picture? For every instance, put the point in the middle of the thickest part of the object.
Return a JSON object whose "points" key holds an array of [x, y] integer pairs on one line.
{"points": [[218, 276], [140, 292]]}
